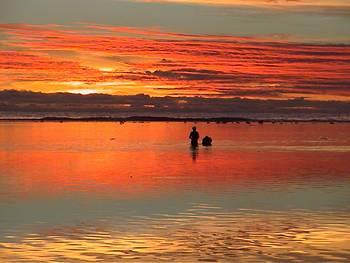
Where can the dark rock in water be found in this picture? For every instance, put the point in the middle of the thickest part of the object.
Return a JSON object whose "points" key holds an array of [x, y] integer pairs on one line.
{"points": [[207, 141]]}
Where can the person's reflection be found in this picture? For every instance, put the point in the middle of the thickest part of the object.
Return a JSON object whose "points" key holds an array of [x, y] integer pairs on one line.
{"points": [[194, 152]]}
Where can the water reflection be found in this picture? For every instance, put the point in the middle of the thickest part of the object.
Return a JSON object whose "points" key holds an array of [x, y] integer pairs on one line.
{"points": [[261, 193], [202, 233], [194, 152]]}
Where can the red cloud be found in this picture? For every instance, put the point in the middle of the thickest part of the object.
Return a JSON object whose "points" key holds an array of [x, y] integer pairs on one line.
{"points": [[175, 64]]}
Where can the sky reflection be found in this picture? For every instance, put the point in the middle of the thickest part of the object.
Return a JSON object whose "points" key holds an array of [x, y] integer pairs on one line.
{"points": [[69, 192]]}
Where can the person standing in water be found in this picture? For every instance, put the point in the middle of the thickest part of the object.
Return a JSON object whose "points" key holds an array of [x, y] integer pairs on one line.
{"points": [[194, 136]]}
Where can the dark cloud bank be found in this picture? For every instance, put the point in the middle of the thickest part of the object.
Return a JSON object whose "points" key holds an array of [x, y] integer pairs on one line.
{"points": [[27, 101]]}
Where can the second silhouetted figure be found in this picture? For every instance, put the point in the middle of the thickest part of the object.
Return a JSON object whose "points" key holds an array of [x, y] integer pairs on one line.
{"points": [[207, 141]]}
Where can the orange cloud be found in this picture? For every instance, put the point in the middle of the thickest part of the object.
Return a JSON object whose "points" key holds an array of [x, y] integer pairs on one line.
{"points": [[122, 60], [268, 3]]}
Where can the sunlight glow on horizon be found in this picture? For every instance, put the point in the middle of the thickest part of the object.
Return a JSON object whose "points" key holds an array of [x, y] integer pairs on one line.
{"points": [[84, 91]]}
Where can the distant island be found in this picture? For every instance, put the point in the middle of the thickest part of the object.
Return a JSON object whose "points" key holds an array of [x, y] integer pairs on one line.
{"points": [[170, 119]]}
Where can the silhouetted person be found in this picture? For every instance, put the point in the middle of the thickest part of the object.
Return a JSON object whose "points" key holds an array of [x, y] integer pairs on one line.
{"points": [[207, 141], [194, 136]]}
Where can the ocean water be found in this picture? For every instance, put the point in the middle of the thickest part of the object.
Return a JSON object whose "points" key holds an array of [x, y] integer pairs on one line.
{"points": [[106, 192]]}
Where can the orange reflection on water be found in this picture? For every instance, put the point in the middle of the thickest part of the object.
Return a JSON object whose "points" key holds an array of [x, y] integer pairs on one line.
{"points": [[137, 159], [87, 192], [127, 174]]}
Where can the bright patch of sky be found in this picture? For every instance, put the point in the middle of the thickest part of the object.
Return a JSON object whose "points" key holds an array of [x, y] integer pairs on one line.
{"points": [[299, 22]]}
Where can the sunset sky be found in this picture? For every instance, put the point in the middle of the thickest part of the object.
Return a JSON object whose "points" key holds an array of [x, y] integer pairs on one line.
{"points": [[252, 49]]}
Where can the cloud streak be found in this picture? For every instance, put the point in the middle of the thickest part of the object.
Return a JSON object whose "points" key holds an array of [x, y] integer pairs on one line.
{"points": [[263, 3]]}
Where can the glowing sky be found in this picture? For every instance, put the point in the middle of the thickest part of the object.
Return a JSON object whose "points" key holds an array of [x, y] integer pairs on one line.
{"points": [[250, 49], [267, 3]]}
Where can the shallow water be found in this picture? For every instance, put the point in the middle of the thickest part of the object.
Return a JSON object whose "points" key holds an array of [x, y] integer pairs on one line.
{"points": [[87, 192]]}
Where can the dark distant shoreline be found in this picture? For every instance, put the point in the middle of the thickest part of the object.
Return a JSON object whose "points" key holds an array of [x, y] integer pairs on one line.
{"points": [[168, 119]]}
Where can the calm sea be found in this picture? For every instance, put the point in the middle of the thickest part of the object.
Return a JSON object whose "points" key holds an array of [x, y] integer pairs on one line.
{"points": [[106, 192]]}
